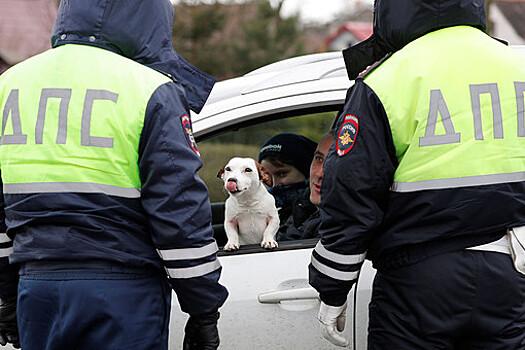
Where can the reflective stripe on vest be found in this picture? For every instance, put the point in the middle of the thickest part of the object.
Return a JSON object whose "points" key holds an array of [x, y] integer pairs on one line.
{"points": [[467, 125], [71, 123]]}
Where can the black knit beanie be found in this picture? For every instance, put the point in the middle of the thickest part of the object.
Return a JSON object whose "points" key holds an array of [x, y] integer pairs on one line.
{"points": [[296, 149]]}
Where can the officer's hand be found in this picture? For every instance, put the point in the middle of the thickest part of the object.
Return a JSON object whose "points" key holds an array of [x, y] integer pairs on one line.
{"points": [[8, 326], [201, 333], [332, 319]]}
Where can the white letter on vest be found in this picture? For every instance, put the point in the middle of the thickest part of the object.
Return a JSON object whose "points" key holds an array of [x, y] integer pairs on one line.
{"points": [[17, 138], [438, 106], [65, 96], [86, 139], [497, 120]]}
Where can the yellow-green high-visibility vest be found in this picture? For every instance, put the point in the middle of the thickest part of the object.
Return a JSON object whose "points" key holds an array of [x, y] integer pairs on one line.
{"points": [[69, 126], [454, 130]]}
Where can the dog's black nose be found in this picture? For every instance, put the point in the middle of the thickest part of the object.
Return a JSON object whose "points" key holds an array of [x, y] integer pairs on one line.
{"points": [[231, 179]]}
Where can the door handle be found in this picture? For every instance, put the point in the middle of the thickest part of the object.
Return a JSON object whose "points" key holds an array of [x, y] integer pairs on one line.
{"points": [[276, 296]]}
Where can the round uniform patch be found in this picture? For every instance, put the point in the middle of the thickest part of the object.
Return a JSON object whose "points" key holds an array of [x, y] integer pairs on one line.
{"points": [[347, 134], [186, 127]]}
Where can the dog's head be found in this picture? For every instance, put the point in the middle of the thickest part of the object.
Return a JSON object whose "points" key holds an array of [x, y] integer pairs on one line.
{"points": [[241, 174]]}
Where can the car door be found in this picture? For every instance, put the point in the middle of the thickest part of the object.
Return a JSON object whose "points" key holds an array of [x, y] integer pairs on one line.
{"points": [[271, 305]]}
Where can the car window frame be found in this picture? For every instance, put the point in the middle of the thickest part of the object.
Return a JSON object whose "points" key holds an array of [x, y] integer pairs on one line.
{"points": [[283, 246], [255, 120], [202, 136]]}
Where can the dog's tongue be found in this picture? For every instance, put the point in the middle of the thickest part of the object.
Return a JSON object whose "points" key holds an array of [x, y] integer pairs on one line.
{"points": [[231, 186]]}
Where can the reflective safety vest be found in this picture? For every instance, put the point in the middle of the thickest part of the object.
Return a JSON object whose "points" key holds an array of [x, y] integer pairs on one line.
{"points": [[454, 130], [68, 128]]}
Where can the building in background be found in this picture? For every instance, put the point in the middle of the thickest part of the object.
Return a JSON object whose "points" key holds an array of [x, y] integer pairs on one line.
{"points": [[350, 33], [508, 20], [25, 29]]}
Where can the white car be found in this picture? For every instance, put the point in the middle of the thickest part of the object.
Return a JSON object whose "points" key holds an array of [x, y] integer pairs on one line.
{"points": [[271, 305]]}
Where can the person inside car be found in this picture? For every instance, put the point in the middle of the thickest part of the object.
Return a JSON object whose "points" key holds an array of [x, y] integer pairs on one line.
{"points": [[304, 220], [287, 157]]}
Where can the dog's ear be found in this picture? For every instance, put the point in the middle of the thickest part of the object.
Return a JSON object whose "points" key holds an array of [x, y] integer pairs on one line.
{"points": [[264, 175], [220, 174]]}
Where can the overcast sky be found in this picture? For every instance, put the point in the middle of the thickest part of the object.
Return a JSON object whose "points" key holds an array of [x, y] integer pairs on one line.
{"points": [[314, 10], [318, 10]]}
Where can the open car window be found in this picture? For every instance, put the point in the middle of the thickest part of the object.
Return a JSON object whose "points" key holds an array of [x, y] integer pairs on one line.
{"points": [[246, 141]]}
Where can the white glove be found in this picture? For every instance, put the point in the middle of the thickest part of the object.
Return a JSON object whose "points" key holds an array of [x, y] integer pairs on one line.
{"points": [[517, 247], [332, 319]]}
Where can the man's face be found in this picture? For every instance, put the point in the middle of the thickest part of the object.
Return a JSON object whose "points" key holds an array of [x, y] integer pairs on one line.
{"points": [[282, 174], [316, 169]]}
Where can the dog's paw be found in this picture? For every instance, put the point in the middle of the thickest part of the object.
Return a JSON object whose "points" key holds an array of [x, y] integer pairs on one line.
{"points": [[269, 244], [231, 246]]}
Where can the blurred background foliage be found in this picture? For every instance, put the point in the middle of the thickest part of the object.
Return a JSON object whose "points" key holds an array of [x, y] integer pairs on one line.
{"points": [[230, 39]]}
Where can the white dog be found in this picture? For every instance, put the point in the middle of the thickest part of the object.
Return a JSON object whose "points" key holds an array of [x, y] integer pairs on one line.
{"points": [[251, 216]]}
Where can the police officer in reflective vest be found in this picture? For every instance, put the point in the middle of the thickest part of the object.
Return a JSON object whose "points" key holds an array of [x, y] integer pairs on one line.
{"points": [[102, 214], [426, 178]]}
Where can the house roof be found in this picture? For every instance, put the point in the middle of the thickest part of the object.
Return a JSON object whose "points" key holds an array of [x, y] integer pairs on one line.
{"points": [[360, 30], [514, 11], [25, 28]]}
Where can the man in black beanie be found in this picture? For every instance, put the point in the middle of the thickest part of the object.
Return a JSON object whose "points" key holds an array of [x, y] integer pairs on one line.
{"points": [[287, 156]]}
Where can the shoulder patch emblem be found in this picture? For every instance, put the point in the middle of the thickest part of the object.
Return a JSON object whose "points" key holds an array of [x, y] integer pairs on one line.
{"points": [[186, 127], [347, 134]]}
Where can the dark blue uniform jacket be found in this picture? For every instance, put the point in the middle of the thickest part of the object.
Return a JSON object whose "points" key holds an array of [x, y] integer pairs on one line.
{"points": [[360, 216]]}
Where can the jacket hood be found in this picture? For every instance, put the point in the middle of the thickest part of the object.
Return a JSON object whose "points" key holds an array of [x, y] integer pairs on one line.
{"points": [[137, 29], [398, 22]]}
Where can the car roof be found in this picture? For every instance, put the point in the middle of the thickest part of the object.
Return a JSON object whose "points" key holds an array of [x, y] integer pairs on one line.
{"points": [[288, 86], [292, 84]]}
